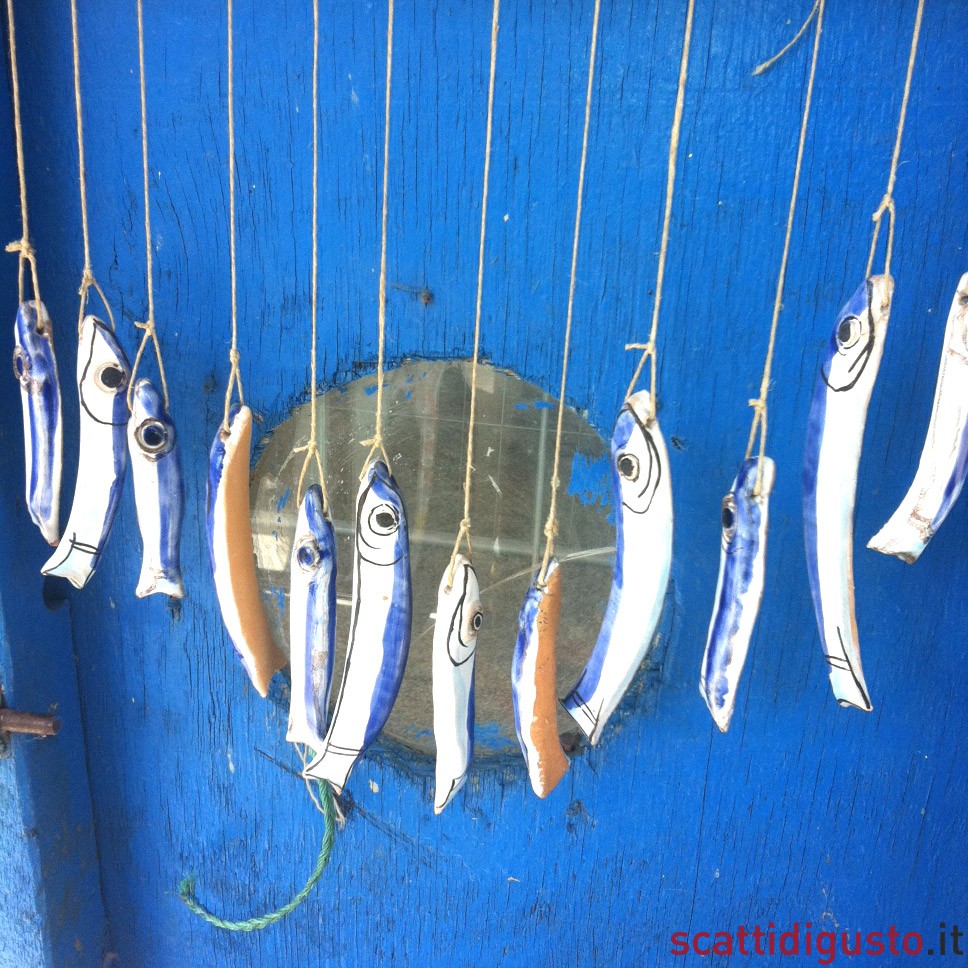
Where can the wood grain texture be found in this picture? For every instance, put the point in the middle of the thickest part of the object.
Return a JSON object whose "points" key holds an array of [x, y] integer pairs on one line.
{"points": [[803, 811]]}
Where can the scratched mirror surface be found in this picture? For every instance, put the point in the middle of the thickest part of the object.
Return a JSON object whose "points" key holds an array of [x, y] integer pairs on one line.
{"points": [[426, 406]]}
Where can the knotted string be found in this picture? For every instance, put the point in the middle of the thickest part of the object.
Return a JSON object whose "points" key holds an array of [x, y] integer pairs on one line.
{"points": [[311, 447], [88, 281], [375, 443], [760, 405], [551, 525], [887, 202], [235, 375], [648, 349], [148, 326], [22, 246], [464, 531]]}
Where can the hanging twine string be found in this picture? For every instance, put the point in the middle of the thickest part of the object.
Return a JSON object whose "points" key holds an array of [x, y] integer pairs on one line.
{"points": [[759, 405], [235, 376], [22, 246], [375, 443], [464, 532], [186, 890], [887, 202], [648, 349], [311, 448], [551, 525], [148, 326], [88, 281]]}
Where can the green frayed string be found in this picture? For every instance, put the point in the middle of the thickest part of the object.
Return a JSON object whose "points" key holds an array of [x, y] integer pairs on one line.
{"points": [[186, 890]]}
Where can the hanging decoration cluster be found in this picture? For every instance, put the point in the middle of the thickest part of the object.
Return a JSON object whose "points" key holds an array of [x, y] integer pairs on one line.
{"points": [[121, 415]]}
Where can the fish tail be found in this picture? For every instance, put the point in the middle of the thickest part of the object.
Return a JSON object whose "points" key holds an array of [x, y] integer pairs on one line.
{"points": [[153, 582], [332, 765], [902, 537], [589, 724], [446, 789]]}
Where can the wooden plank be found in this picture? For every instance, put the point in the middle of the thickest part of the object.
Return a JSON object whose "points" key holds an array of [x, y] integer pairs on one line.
{"points": [[803, 812]]}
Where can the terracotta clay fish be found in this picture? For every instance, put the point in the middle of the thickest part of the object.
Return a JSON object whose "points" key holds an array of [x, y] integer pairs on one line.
{"points": [[379, 641], [835, 435], [944, 459], [739, 589], [459, 619], [35, 368], [159, 492], [643, 557], [312, 621], [231, 551], [102, 382], [533, 683]]}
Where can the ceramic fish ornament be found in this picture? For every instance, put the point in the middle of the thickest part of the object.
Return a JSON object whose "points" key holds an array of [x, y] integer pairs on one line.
{"points": [[944, 459], [159, 492], [533, 674], [231, 551], [739, 589], [459, 619], [312, 620], [379, 640], [643, 557], [102, 382], [35, 369], [835, 435]]}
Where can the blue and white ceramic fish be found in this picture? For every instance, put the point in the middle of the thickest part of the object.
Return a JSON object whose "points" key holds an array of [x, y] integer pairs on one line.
{"points": [[159, 492], [379, 639], [312, 620], [944, 459], [35, 369], [102, 382], [643, 557], [458, 620], [835, 436], [739, 589]]}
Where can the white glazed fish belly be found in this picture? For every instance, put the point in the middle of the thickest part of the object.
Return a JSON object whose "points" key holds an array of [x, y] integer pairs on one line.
{"points": [[642, 569], [35, 368], [158, 492], [102, 376], [312, 623], [454, 655], [944, 458]]}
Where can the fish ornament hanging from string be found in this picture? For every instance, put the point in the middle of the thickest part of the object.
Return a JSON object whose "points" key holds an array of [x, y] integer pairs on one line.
{"points": [[312, 620], [103, 372], [744, 513], [35, 369], [159, 492], [642, 491], [379, 638], [944, 458], [835, 435], [231, 553], [739, 588], [458, 620], [533, 676]]}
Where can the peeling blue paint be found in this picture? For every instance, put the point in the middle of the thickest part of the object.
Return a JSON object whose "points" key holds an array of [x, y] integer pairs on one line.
{"points": [[590, 480]]}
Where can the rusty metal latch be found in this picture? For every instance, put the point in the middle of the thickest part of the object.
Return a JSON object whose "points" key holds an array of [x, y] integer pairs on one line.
{"points": [[30, 724]]}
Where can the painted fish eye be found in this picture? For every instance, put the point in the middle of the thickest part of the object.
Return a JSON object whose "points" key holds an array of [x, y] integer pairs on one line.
{"points": [[110, 377], [384, 519], [478, 620], [848, 332], [307, 555], [21, 365], [153, 436], [628, 466], [728, 517]]}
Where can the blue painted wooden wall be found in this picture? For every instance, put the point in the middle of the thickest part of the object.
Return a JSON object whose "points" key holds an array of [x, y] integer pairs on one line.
{"points": [[804, 811]]}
